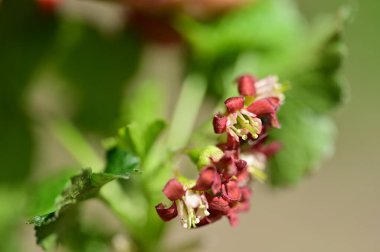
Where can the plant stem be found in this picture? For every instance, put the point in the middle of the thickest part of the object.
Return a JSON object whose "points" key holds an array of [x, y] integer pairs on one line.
{"points": [[75, 144], [187, 108]]}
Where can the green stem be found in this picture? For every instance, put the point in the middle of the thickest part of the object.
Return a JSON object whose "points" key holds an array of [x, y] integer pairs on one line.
{"points": [[187, 108], [75, 144]]}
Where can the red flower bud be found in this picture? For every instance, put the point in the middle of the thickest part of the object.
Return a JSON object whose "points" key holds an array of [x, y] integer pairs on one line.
{"points": [[219, 122], [240, 164], [246, 85]]}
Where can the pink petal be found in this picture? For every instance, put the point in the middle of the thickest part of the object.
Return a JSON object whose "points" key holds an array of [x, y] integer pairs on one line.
{"points": [[173, 190], [208, 179], [234, 103], [218, 204], [166, 214], [267, 106], [246, 85], [231, 191], [217, 185], [214, 216], [264, 106], [243, 204], [274, 120], [233, 218], [219, 122], [246, 193]]}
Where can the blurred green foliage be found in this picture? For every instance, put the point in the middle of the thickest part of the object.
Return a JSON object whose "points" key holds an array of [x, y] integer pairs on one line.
{"points": [[307, 133], [25, 39], [97, 68]]}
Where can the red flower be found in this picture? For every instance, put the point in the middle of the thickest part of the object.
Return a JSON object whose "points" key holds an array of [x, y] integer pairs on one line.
{"points": [[246, 85], [190, 205], [238, 121], [269, 87]]}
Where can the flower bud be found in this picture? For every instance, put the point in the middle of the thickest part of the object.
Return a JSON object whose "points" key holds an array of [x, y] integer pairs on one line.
{"points": [[246, 85]]}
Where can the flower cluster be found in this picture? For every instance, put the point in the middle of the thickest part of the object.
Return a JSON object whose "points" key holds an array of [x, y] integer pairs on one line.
{"points": [[222, 188]]}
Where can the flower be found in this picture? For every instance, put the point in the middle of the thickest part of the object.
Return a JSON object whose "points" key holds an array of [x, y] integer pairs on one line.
{"points": [[238, 121], [189, 204], [269, 87], [257, 155]]}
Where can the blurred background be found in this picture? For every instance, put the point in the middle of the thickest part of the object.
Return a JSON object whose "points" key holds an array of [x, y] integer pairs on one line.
{"points": [[333, 209]]}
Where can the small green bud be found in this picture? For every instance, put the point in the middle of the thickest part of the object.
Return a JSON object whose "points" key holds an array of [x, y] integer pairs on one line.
{"points": [[202, 156]]}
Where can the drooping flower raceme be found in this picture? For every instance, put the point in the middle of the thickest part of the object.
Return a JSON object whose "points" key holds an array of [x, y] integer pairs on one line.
{"points": [[222, 187]]}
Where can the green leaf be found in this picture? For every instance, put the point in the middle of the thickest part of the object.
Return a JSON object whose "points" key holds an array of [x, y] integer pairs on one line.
{"points": [[121, 163], [45, 192], [307, 134], [65, 189], [54, 224], [316, 81], [84, 186], [307, 138], [140, 138], [264, 25], [131, 137], [267, 32], [54, 202]]}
